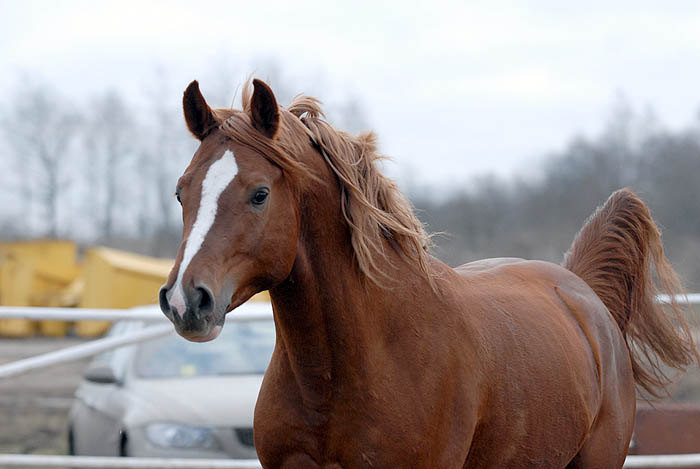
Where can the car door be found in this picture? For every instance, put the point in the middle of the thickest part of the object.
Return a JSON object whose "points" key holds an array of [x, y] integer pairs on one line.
{"points": [[99, 406]]}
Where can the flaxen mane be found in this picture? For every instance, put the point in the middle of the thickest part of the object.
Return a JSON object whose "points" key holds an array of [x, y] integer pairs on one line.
{"points": [[372, 205]]}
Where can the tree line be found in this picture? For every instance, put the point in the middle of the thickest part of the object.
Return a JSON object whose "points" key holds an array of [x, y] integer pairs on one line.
{"points": [[104, 171], [538, 217]]}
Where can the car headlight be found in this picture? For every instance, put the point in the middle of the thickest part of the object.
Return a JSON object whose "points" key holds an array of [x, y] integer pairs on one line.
{"points": [[175, 435]]}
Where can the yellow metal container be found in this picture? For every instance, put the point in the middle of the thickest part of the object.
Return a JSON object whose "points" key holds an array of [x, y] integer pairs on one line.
{"points": [[45, 273], [15, 289], [118, 279], [34, 273], [69, 296], [263, 296]]}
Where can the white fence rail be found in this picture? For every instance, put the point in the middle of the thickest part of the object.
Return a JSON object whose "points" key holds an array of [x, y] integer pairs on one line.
{"points": [[668, 461], [83, 350], [102, 462], [692, 298], [246, 312]]}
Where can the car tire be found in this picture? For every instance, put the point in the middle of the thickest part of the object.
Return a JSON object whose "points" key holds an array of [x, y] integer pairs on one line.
{"points": [[71, 442], [123, 444]]}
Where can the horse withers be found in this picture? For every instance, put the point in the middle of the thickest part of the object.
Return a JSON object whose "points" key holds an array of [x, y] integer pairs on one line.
{"points": [[385, 356]]}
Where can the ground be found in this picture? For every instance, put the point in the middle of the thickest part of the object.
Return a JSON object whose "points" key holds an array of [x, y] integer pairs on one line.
{"points": [[34, 406]]}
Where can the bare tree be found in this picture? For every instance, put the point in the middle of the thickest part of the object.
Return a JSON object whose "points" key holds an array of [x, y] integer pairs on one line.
{"points": [[111, 143], [40, 127], [162, 159]]}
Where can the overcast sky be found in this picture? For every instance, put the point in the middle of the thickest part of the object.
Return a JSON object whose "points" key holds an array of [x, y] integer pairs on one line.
{"points": [[452, 89]]}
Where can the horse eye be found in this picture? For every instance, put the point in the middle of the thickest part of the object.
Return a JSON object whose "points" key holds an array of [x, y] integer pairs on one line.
{"points": [[260, 196]]}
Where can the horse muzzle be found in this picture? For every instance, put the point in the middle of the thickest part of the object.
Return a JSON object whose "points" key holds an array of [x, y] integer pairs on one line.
{"points": [[193, 311]]}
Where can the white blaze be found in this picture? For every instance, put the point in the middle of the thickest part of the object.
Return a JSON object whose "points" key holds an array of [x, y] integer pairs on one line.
{"points": [[218, 177]]}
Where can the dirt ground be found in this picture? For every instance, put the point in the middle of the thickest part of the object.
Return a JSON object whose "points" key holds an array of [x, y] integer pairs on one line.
{"points": [[34, 407]]}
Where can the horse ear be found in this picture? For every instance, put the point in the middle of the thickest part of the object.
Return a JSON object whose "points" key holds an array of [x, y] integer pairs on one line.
{"points": [[264, 110], [200, 120]]}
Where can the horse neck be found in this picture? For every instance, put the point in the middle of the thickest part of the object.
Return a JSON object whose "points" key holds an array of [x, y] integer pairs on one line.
{"points": [[327, 314]]}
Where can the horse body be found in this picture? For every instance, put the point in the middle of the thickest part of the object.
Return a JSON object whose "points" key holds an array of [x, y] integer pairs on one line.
{"points": [[386, 357], [483, 395]]}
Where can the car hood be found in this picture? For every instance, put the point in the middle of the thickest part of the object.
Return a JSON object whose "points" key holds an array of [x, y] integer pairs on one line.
{"points": [[213, 401]]}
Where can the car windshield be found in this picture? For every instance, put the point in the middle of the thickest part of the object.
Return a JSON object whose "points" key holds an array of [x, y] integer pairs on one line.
{"points": [[242, 348]]}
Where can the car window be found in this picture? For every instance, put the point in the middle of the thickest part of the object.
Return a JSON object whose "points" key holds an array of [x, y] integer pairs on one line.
{"points": [[116, 358], [241, 348]]}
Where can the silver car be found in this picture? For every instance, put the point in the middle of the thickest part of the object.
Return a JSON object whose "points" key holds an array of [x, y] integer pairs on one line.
{"points": [[172, 398]]}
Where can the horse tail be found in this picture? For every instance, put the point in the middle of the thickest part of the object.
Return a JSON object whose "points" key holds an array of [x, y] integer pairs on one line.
{"points": [[614, 253]]}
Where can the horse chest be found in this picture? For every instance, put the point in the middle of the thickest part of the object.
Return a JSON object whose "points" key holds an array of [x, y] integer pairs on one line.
{"points": [[369, 424], [352, 451], [289, 436]]}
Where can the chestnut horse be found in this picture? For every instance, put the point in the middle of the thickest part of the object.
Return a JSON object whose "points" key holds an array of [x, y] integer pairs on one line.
{"points": [[386, 357]]}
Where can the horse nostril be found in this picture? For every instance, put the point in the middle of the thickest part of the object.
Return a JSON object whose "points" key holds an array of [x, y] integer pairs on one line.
{"points": [[206, 301], [163, 299]]}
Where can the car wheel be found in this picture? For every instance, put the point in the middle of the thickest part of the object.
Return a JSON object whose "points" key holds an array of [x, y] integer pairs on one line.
{"points": [[71, 442], [123, 444]]}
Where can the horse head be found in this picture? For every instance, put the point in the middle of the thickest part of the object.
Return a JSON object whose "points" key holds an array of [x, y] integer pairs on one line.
{"points": [[239, 215]]}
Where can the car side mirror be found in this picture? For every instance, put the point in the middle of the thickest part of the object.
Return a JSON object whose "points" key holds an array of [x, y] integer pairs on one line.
{"points": [[101, 374]]}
